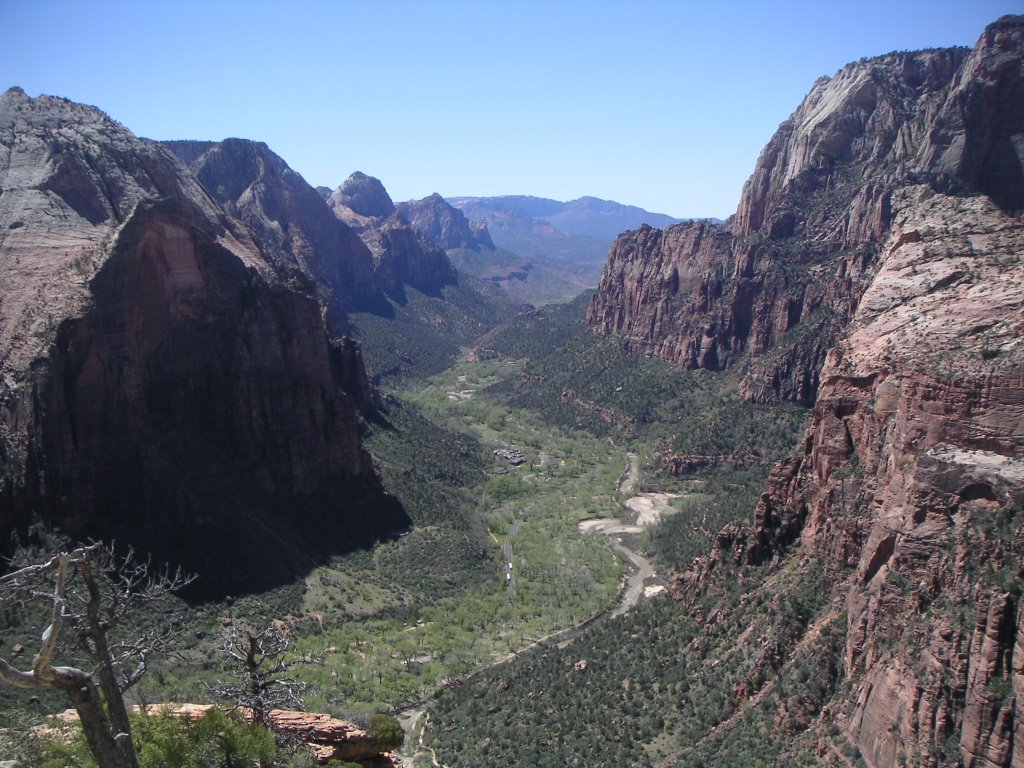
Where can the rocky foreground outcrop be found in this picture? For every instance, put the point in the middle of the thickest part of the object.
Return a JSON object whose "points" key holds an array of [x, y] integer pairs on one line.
{"points": [[161, 379], [333, 739], [909, 488], [777, 285]]}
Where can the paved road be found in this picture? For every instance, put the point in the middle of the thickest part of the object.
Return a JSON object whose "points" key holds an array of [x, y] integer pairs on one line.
{"points": [[506, 550]]}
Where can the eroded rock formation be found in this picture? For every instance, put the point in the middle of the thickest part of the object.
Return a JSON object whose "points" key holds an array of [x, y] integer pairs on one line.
{"points": [[162, 382], [909, 486], [913, 477], [401, 254], [363, 195], [445, 225], [329, 738], [290, 221], [778, 284]]}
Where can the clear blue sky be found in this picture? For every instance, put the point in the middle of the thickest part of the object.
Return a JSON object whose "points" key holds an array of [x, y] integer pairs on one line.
{"points": [[663, 104]]}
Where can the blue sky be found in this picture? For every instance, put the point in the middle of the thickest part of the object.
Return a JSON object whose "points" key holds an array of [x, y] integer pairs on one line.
{"points": [[663, 104]]}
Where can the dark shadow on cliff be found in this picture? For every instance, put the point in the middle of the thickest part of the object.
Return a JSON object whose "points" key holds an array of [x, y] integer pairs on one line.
{"points": [[257, 551], [377, 304], [435, 288], [239, 547], [1003, 178], [383, 303]]}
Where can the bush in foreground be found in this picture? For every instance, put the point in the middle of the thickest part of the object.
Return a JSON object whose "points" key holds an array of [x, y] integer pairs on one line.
{"points": [[168, 741]]}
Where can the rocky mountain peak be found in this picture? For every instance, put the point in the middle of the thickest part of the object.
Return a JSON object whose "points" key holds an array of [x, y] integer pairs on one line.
{"points": [[288, 217], [945, 114], [401, 255], [979, 136], [852, 129], [365, 195], [86, 163], [444, 225], [229, 167]]}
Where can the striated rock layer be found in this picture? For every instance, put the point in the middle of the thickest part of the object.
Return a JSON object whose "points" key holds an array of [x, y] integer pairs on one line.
{"points": [[161, 383], [913, 477], [909, 486], [777, 285]]}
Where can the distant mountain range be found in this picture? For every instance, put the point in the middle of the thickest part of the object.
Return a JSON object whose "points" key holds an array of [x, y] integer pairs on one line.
{"points": [[587, 216], [579, 231]]}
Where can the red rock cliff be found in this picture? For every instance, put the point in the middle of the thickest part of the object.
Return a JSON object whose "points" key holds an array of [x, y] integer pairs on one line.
{"points": [[913, 477], [909, 486], [778, 285], [160, 382]]}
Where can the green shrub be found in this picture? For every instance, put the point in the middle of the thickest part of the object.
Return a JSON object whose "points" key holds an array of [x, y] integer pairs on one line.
{"points": [[387, 731], [168, 741], [212, 741]]}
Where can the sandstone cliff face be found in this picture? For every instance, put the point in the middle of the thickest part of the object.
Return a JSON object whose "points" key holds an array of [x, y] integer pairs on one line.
{"points": [[401, 254], [699, 297], [160, 382], [401, 257], [909, 486], [288, 218], [913, 477], [778, 285], [909, 491], [445, 225]]}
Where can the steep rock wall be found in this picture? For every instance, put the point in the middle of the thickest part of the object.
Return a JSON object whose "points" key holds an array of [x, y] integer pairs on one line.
{"points": [[913, 477], [778, 285], [288, 218], [160, 383], [909, 486], [694, 295]]}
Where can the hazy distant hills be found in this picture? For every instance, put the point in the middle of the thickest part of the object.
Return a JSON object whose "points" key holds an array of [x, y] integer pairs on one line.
{"points": [[578, 231], [587, 216]]}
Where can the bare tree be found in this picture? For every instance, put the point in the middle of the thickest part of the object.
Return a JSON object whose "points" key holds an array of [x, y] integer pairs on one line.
{"points": [[92, 595], [260, 665]]}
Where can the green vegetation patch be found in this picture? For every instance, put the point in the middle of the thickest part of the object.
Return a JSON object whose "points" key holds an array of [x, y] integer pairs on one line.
{"points": [[656, 687], [590, 383], [416, 334]]}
